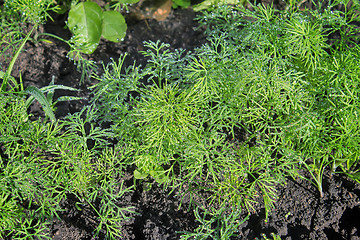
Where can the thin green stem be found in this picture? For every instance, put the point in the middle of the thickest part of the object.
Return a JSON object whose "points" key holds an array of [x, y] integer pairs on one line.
{"points": [[13, 60]]}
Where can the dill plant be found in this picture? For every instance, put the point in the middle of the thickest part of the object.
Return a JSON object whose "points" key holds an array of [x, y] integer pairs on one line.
{"points": [[42, 166], [273, 91], [94, 185], [31, 203], [216, 224], [300, 44], [181, 125]]}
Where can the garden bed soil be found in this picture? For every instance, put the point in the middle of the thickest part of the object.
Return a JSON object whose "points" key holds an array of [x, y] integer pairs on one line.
{"points": [[299, 212]]}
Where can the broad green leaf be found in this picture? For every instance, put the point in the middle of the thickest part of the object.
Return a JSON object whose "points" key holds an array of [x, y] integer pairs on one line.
{"points": [[182, 3], [113, 26], [42, 100], [85, 22]]}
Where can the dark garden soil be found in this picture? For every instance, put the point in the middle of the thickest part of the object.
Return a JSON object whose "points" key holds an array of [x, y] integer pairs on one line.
{"points": [[299, 212]]}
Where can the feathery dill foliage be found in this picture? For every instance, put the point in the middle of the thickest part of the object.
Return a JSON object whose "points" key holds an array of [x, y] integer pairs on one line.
{"points": [[272, 91], [308, 63], [42, 166]]}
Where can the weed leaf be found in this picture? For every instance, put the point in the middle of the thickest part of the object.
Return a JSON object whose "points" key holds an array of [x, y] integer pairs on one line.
{"points": [[38, 95], [113, 26], [85, 22]]}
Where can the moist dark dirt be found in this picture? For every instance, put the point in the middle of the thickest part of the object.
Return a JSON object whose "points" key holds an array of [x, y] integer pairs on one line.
{"points": [[299, 212]]}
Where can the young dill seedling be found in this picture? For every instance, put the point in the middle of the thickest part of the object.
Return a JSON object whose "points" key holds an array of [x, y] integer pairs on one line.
{"points": [[217, 224]]}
